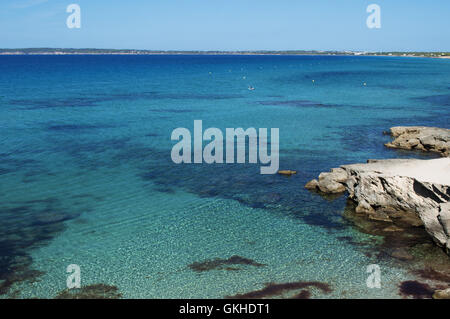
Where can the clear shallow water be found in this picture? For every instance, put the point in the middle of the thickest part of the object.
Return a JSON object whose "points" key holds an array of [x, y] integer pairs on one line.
{"points": [[87, 179]]}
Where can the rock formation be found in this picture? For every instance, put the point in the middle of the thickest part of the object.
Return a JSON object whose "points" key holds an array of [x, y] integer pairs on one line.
{"points": [[331, 182], [442, 294], [287, 172], [408, 191], [422, 138]]}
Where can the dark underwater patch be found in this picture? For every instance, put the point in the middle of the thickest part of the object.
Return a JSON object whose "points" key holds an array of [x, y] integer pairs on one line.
{"points": [[223, 264], [152, 135], [194, 96], [171, 111], [327, 76], [297, 103], [362, 75], [50, 217], [392, 86], [19, 274], [438, 100], [82, 151], [304, 294], [4, 171], [36, 104], [364, 224], [95, 291], [24, 227], [92, 101], [142, 154], [415, 289], [344, 74], [245, 184], [12, 163], [403, 244], [325, 220], [351, 241], [74, 127], [272, 290], [432, 274], [166, 190]]}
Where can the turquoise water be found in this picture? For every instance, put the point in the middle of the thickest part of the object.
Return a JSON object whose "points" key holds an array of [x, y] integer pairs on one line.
{"points": [[87, 178]]}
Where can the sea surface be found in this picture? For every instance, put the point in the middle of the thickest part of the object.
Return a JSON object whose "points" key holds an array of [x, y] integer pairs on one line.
{"points": [[86, 175]]}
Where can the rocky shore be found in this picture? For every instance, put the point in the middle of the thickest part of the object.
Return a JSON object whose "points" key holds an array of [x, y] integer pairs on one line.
{"points": [[411, 192], [432, 139], [407, 191]]}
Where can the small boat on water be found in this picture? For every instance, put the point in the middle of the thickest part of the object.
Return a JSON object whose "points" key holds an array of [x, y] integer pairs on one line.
{"points": [[251, 88]]}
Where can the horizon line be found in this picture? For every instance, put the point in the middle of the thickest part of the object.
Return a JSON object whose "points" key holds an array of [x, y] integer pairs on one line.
{"points": [[221, 51]]}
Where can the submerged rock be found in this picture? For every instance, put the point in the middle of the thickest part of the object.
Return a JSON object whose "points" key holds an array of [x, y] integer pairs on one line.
{"points": [[312, 184], [287, 172], [408, 191], [272, 290], [416, 290], [421, 138], [402, 254], [96, 291], [442, 294], [220, 264]]}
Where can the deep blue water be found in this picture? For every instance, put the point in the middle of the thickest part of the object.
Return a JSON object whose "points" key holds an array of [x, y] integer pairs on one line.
{"points": [[87, 178]]}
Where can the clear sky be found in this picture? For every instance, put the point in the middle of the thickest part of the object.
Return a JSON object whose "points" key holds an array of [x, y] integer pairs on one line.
{"points": [[406, 25]]}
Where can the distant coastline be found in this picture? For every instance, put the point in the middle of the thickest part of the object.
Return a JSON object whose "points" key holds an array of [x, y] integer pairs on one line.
{"points": [[61, 51]]}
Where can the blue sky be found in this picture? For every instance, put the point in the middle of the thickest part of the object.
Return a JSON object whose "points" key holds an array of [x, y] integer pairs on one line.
{"points": [[407, 25]]}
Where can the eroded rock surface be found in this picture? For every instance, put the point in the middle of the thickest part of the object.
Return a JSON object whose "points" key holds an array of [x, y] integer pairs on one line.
{"points": [[442, 294], [410, 191], [330, 182], [422, 138]]}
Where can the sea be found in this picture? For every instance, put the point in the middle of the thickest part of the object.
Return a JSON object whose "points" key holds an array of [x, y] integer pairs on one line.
{"points": [[87, 178]]}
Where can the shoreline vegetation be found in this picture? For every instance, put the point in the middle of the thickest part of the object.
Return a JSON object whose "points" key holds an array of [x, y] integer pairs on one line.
{"points": [[61, 51]]}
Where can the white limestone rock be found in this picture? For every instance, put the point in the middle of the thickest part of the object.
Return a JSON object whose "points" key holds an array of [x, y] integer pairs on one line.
{"points": [[422, 138], [409, 191]]}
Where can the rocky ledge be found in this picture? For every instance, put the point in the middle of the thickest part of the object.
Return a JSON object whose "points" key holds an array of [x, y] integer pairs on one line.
{"points": [[422, 138], [411, 191]]}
